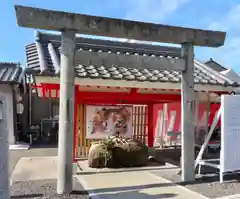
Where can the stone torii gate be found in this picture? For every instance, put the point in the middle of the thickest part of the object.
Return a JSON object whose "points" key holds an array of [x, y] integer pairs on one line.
{"points": [[69, 24]]}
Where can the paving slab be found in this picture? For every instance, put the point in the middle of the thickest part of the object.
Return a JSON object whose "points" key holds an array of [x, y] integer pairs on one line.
{"points": [[19, 146], [134, 184], [235, 196], [35, 168], [16, 155], [82, 167]]}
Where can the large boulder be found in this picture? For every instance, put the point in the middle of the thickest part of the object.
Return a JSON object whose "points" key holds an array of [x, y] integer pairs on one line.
{"points": [[100, 156], [116, 152], [130, 153], [97, 154]]}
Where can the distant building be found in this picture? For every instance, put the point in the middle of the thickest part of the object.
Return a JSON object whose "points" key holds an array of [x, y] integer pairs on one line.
{"points": [[215, 66], [11, 76], [228, 72]]}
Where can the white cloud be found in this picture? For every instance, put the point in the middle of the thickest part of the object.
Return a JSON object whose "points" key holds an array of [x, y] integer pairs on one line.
{"points": [[152, 10], [229, 53], [234, 16], [215, 26], [148, 11], [229, 22]]}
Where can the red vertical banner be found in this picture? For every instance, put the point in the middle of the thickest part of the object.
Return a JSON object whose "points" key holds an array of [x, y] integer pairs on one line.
{"points": [[150, 122], [172, 117], [76, 101], [213, 109]]}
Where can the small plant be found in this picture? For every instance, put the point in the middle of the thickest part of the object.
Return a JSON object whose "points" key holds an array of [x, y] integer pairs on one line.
{"points": [[109, 143]]}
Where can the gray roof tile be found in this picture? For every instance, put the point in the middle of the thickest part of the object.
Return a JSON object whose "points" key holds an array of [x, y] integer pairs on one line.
{"points": [[215, 66], [43, 58], [10, 73]]}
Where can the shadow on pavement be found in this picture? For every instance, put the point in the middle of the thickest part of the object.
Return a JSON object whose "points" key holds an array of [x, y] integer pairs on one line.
{"points": [[139, 194], [132, 188], [27, 196], [43, 146]]}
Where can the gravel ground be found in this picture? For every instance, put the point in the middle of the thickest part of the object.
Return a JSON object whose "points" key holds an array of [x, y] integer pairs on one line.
{"points": [[206, 184], [45, 189], [39, 188]]}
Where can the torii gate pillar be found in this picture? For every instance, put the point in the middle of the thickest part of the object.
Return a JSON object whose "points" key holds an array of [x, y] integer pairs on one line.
{"points": [[187, 117], [66, 113]]}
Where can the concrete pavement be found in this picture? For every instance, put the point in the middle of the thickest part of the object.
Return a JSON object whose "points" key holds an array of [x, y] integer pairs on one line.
{"points": [[35, 168], [41, 163], [16, 155], [113, 185], [235, 196], [134, 184]]}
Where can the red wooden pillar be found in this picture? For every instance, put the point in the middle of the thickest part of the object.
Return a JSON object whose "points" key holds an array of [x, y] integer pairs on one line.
{"points": [[150, 125], [76, 101]]}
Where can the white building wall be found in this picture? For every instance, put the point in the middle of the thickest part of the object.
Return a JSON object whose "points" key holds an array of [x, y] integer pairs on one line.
{"points": [[7, 91]]}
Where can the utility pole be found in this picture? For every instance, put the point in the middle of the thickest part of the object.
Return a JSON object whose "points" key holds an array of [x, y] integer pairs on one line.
{"points": [[66, 113]]}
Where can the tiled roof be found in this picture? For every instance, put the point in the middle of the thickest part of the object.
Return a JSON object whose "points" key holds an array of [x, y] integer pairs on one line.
{"points": [[10, 73], [215, 66], [43, 58]]}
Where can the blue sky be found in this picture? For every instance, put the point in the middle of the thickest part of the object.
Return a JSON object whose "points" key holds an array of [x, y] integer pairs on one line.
{"points": [[205, 14]]}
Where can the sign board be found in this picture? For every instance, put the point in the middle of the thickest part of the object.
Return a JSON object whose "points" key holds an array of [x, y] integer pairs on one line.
{"points": [[230, 133], [103, 121]]}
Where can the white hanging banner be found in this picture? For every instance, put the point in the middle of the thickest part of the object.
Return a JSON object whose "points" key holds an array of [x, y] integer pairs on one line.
{"points": [[230, 133], [172, 120], [20, 108], [159, 124], [158, 130]]}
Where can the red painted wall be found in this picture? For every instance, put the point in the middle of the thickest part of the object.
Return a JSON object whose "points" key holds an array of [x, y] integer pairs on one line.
{"points": [[177, 107]]}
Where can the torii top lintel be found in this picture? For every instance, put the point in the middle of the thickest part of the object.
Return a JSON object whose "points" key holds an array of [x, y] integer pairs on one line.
{"points": [[118, 28]]}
